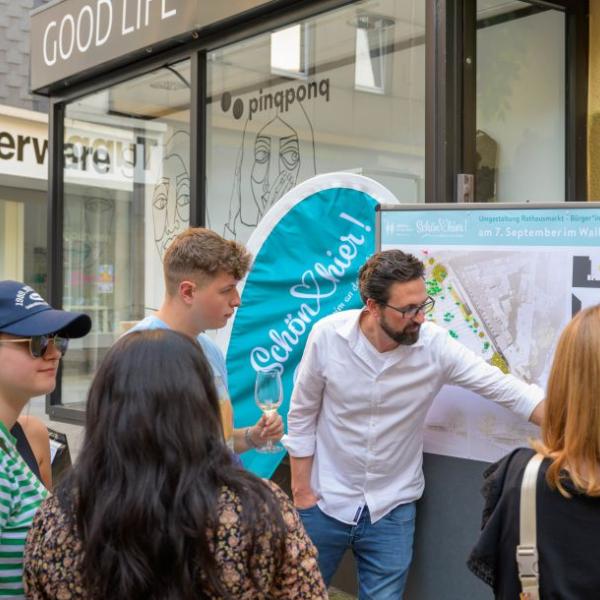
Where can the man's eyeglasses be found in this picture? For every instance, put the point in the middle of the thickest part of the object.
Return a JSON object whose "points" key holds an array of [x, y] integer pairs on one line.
{"points": [[410, 312], [38, 344]]}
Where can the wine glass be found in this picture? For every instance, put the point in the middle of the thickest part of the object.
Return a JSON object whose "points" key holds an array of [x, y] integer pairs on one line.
{"points": [[268, 394]]}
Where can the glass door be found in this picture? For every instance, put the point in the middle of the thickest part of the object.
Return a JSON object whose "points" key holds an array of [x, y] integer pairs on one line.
{"points": [[520, 103]]}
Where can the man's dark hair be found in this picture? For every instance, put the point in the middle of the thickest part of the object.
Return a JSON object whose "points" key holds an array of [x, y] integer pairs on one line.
{"points": [[385, 268]]}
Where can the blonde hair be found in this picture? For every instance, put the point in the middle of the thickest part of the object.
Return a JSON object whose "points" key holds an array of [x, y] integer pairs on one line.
{"points": [[201, 254], [571, 425]]}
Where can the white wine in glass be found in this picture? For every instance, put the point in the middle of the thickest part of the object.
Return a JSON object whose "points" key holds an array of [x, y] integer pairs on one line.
{"points": [[268, 394]]}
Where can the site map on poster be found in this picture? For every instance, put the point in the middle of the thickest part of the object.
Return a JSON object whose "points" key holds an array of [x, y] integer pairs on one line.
{"points": [[505, 282]]}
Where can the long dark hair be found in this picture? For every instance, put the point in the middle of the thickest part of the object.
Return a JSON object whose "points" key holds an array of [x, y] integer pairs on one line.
{"points": [[144, 491]]}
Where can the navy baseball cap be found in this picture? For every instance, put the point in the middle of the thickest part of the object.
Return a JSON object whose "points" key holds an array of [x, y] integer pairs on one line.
{"points": [[24, 312]]}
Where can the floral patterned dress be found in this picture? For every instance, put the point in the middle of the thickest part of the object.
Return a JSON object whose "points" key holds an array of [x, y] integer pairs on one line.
{"points": [[53, 553]]}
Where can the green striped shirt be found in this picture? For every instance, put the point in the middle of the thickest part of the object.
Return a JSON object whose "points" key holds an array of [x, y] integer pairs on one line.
{"points": [[21, 494]]}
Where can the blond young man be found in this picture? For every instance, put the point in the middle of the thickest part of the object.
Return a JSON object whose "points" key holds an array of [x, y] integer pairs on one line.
{"points": [[201, 271]]}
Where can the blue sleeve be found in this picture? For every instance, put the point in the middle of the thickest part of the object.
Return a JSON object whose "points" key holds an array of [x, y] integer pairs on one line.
{"points": [[214, 356]]}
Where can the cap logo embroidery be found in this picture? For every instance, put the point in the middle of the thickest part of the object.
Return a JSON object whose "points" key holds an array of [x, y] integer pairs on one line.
{"points": [[27, 294]]}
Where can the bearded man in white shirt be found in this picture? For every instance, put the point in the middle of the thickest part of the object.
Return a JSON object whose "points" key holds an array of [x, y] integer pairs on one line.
{"points": [[355, 425]]}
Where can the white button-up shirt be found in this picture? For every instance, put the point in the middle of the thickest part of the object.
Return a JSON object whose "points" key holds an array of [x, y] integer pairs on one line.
{"points": [[361, 412]]}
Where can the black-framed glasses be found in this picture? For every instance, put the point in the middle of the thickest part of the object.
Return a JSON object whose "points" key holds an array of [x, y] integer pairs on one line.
{"points": [[411, 312], [38, 344]]}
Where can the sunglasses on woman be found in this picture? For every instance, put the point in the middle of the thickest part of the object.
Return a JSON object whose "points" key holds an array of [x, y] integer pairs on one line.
{"points": [[38, 344]]}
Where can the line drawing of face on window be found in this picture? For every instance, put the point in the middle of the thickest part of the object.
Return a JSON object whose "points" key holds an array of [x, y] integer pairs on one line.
{"points": [[171, 195], [276, 154], [276, 163]]}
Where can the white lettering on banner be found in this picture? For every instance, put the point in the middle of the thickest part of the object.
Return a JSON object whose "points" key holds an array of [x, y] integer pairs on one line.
{"points": [[86, 27], [316, 284]]}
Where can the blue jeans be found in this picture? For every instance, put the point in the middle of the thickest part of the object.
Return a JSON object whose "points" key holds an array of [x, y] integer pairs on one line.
{"points": [[383, 550]]}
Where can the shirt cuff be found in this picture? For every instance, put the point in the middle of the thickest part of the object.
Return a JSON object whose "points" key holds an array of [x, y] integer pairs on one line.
{"points": [[527, 405], [299, 445]]}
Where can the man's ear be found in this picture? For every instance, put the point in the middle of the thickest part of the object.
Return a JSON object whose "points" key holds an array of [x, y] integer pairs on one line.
{"points": [[186, 291], [373, 307]]}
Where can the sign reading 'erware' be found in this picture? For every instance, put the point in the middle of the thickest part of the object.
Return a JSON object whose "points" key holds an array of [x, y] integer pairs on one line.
{"points": [[69, 37]]}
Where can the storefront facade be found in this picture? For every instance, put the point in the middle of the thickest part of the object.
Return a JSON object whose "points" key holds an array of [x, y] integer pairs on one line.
{"points": [[23, 214], [165, 114]]}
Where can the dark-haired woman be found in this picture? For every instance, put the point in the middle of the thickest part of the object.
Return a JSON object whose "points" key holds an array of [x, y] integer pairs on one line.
{"points": [[155, 507]]}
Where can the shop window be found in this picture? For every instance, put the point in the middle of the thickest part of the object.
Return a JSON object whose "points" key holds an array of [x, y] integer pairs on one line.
{"points": [[267, 134], [521, 103], [126, 196]]}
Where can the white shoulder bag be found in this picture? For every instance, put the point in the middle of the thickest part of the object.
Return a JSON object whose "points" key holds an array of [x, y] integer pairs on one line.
{"points": [[527, 554]]}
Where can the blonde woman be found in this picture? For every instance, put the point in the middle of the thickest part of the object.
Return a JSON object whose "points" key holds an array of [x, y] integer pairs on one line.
{"points": [[568, 485], [33, 338]]}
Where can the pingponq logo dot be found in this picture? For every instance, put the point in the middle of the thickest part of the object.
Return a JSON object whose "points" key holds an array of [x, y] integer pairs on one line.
{"points": [[281, 100], [238, 105]]}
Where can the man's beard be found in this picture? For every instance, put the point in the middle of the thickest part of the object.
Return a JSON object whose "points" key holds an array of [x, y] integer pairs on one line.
{"points": [[407, 337]]}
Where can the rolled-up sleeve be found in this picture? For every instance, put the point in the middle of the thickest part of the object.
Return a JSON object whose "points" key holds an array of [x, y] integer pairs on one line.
{"points": [[307, 397], [464, 368]]}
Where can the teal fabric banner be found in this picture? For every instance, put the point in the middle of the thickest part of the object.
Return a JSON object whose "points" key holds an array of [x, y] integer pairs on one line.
{"points": [[308, 250]]}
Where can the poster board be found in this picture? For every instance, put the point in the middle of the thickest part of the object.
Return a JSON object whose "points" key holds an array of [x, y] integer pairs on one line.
{"points": [[530, 266], [506, 280]]}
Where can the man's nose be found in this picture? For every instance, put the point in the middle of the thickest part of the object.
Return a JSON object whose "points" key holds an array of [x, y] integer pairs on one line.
{"points": [[419, 317], [236, 300]]}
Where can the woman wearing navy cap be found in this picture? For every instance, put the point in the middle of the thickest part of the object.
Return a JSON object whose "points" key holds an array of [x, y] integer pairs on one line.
{"points": [[33, 338]]}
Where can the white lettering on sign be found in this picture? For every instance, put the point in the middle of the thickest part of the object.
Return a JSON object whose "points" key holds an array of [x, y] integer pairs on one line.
{"points": [[49, 60], [164, 13], [89, 28], [317, 283], [66, 34], [108, 24]]}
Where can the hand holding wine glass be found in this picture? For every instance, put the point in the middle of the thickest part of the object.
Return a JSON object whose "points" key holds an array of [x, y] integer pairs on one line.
{"points": [[268, 394]]}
